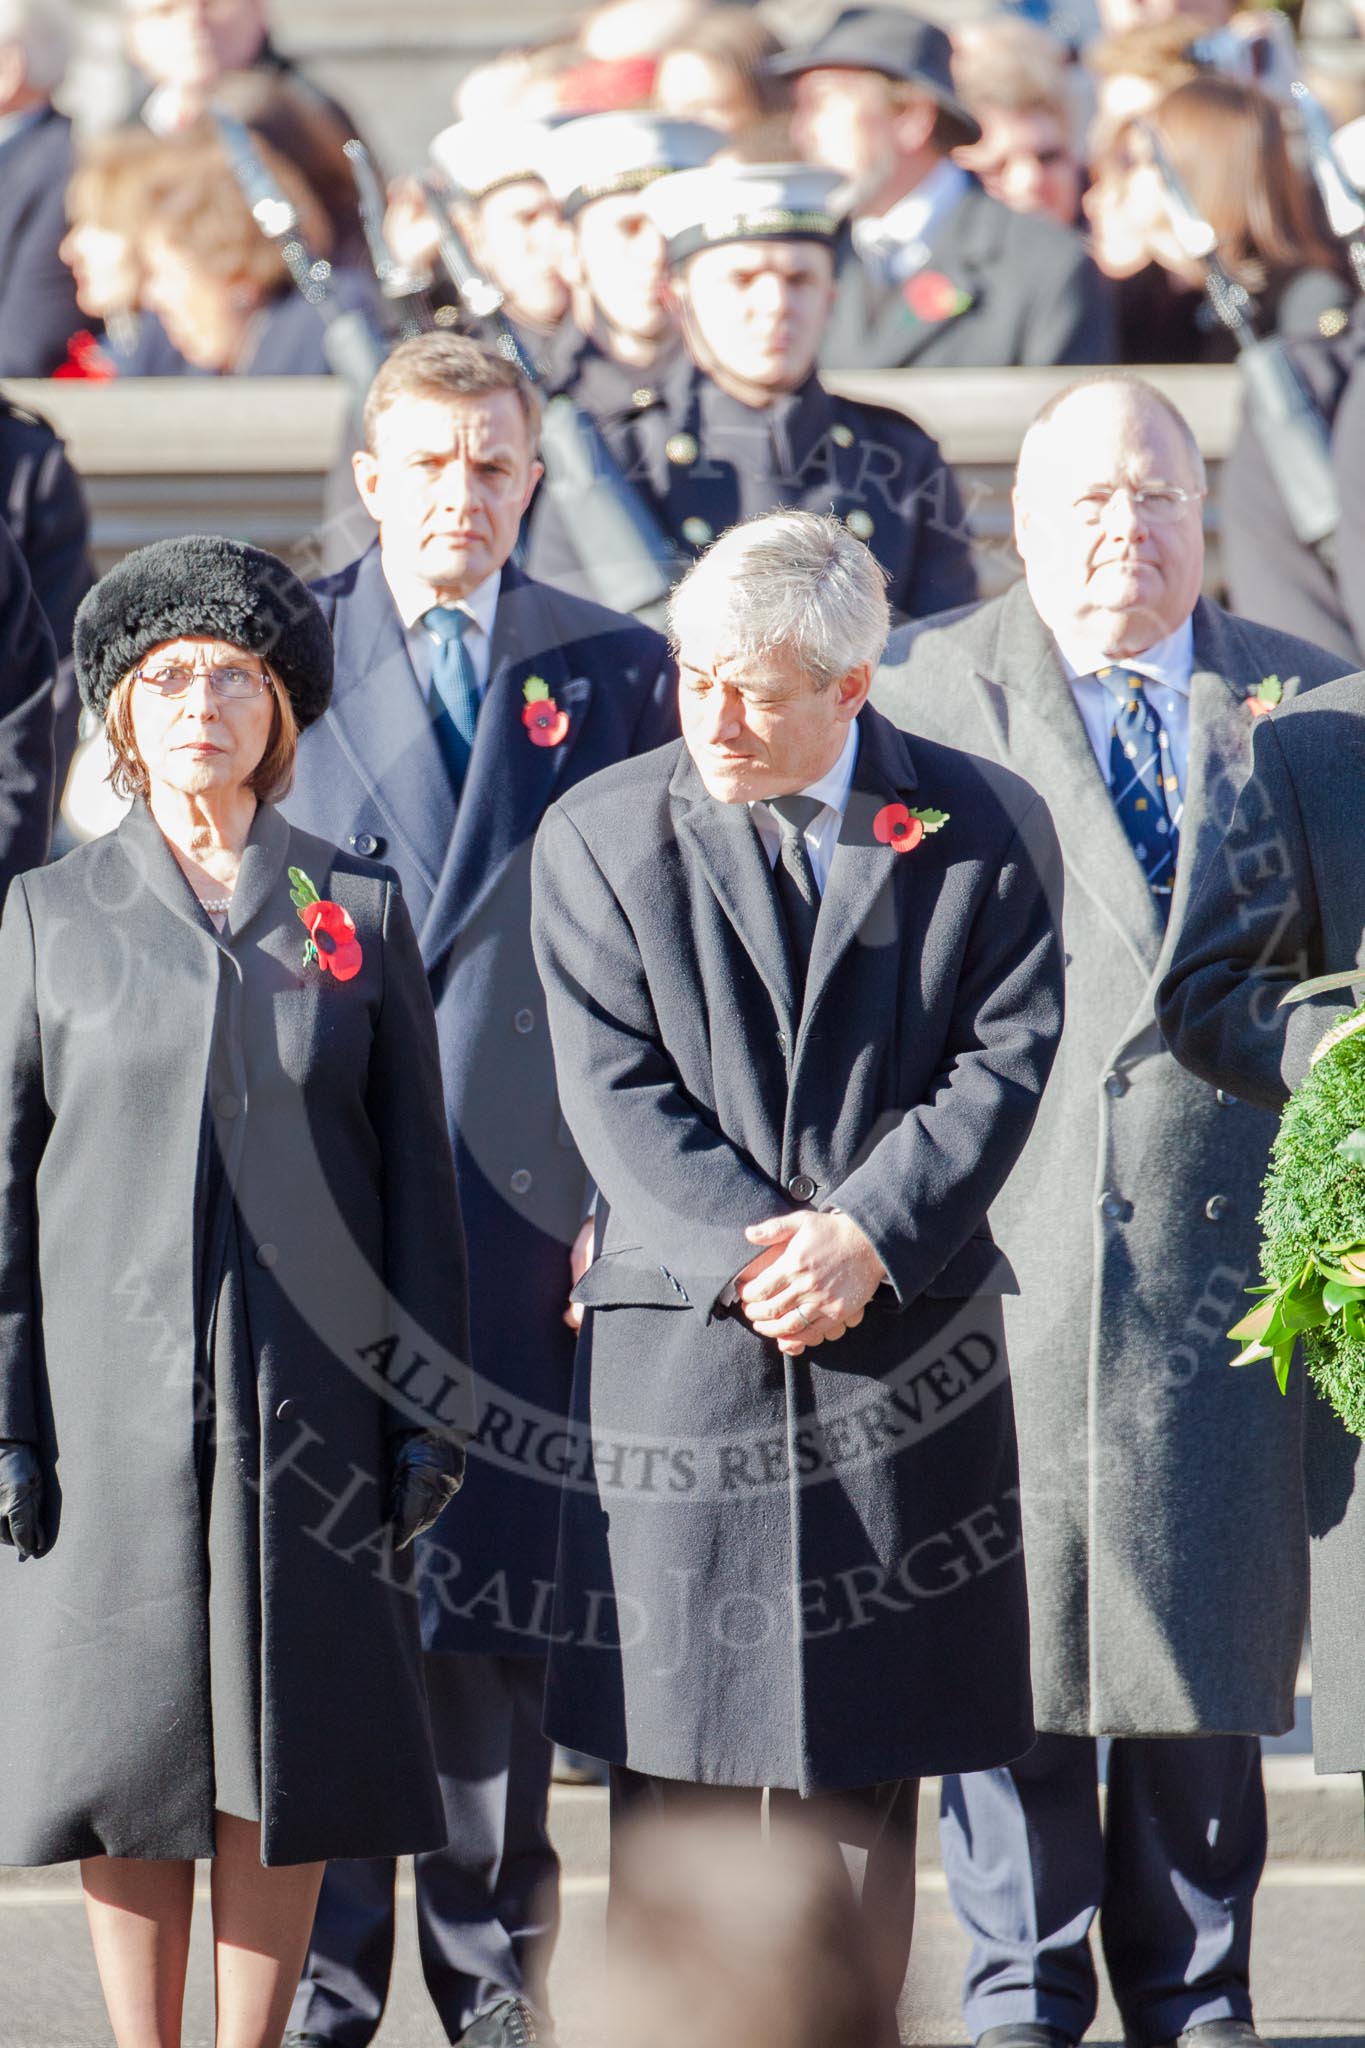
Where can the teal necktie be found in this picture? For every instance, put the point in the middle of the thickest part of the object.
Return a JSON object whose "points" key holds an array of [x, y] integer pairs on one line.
{"points": [[455, 693]]}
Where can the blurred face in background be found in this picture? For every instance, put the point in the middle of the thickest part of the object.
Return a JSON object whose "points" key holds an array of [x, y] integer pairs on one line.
{"points": [[446, 482], [105, 265], [754, 312], [207, 317], [844, 119], [690, 86], [1025, 159], [519, 234], [191, 42], [1129, 219], [618, 257]]}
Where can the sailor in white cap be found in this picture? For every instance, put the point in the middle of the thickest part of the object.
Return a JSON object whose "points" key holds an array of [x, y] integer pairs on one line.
{"points": [[740, 424], [598, 169]]}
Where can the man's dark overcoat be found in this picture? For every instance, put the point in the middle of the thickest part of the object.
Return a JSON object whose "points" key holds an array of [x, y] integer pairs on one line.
{"points": [[371, 776], [38, 310], [28, 675], [1131, 1223], [1000, 288], [118, 1003], [43, 506], [1283, 899], [798, 1572], [703, 461]]}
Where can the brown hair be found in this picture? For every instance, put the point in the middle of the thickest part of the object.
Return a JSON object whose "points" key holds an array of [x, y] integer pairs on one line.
{"points": [[117, 180], [291, 120], [1155, 50], [1227, 145], [1013, 67], [737, 42], [447, 366], [201, 211], [269, 781]]}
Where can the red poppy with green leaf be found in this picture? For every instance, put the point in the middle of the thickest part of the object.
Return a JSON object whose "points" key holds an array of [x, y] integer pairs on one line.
{"points": [[542, 717], [332, 942], [902, 829]]}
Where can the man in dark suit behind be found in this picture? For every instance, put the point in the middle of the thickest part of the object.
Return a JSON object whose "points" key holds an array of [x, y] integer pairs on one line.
{"points": [[467, 698], [28, 667], [804, 984], [933, 271], [42, 504], [38, 312]]}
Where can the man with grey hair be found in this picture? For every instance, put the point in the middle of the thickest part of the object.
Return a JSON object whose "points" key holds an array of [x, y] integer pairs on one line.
{"points": [[1129, 702], [803, 985], [38, 312]]}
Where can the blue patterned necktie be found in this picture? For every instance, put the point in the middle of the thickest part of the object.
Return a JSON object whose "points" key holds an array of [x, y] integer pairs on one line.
{"points": [[1143, 781], [455, 692]]}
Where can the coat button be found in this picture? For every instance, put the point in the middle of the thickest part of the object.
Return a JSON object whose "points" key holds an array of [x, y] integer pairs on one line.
{"points": [[1217, 1207], [365, 844], [801, 1187], [1116, 1084], [227, 1106], [1223, 1099], [267, 1255], [522, 1181], [1114, 1207], [286, 1411], [525, 1020]]}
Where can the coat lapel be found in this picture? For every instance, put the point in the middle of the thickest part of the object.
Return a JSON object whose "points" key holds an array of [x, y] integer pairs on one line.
{"points": [[511, 781], [722, 838], [263, 863], [382, 722], [1029, 704]]}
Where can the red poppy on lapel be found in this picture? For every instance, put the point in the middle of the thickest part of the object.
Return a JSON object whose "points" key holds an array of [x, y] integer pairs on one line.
{"points": [[1268, 693], [86, 359], [331, 930], [543, 719], [933, 297], [902, 829]]}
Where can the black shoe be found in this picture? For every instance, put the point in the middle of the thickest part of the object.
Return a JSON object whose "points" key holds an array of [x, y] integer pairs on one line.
{"points": [[511, 2023], [1028, 2034], [1217, 2034], [307, 2041]]}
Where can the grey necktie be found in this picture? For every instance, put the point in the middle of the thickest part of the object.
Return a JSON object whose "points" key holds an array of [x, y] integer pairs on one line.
{"points": [[798, 893]]}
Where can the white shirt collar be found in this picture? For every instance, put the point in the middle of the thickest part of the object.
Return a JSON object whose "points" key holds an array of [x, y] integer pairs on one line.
{"points": [[919, 216], [413, 599], [833, 787], [1170, 661]]}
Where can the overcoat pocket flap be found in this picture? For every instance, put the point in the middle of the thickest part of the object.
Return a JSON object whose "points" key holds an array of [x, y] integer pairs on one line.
{"points": [[629, 1279], [978, 1267]]}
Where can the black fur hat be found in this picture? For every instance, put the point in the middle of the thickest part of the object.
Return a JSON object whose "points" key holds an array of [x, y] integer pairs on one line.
{"points": [[203, 584]]}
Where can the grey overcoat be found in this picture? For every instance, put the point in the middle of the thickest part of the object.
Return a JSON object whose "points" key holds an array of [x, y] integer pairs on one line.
{"points": [[1131, 1223], [118, 1000], [801, 1572], [1283, 900]]}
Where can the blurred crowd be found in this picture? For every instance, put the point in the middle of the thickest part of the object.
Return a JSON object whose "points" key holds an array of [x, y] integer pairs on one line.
{"points": [[145, 249]]}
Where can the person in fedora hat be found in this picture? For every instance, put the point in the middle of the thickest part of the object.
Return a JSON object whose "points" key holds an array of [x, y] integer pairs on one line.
{"points": [[933, 271], [742, 425], [233, 1326]]}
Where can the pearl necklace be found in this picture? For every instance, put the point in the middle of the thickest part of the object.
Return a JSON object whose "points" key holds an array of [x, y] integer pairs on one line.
{"points": [[215, 905]]}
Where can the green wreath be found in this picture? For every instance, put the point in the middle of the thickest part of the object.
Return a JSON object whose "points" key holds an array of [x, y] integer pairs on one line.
{"points": [[1313, 1224]]}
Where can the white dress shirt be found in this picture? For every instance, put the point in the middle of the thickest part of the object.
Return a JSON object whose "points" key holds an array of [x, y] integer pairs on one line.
{"points": [[1165, 670], [822, 834], [413, 599], [896, 244]]}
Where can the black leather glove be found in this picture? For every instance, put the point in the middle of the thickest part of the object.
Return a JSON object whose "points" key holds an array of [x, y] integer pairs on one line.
{"points": [[426, 1475], [21, 1496]]}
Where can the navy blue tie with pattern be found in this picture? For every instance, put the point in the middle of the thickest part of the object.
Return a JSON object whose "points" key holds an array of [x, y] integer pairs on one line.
{"points": [[1143, 781], [455, 692]]}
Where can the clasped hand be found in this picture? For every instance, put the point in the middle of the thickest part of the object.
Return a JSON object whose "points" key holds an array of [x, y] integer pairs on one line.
{"points": [[812, 1280]]}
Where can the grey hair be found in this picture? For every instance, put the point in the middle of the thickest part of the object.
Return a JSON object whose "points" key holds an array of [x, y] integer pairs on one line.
{"points": [[787, 579], [41, 29]]}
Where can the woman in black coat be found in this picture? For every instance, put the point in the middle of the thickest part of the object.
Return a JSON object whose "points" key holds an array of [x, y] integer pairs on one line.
{"points": [[232, 1315]]}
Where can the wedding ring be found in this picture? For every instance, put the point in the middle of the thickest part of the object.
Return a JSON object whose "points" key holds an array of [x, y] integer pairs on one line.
{"points": [[805, 1319]]}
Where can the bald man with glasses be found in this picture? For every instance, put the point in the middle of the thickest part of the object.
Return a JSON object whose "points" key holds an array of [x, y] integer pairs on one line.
{"points": [[1129, 701]]}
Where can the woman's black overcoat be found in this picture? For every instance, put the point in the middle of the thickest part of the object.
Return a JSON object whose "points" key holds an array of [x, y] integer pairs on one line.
{"points": [[133, 1038]]}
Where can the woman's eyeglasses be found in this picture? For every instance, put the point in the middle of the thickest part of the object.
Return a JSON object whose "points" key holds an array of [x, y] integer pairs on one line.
{"points": [[226, 679]]}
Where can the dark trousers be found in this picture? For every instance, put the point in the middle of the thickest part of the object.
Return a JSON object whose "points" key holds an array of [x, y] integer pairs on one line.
{"points": [[872, 1829], [487, 1904], [1171, 1875]]}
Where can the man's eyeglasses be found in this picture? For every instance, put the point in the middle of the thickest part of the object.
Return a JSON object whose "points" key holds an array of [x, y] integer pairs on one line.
{"points": [[225, 679], [1162, 503]]}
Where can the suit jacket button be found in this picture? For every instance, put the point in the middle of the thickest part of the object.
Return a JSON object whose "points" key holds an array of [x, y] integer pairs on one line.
{"points": [[267, 1255], [525, 1020], [1223, 1099], [286, 1411], [522, 1181], [365, 844], [801, 1187], [1116, 1084], [227, 1106], [1114, 1207], [1216, 1208]]}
